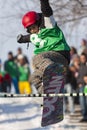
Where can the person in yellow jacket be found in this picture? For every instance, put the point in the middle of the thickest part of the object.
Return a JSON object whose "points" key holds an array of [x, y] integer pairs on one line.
{"points": [[24, 73]]}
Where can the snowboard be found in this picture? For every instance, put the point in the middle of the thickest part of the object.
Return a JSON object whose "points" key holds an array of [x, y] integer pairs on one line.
{"points": [[53, 83]]}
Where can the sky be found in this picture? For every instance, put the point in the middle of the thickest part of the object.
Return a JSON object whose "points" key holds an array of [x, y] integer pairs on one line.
{"points": [[11, 13]]}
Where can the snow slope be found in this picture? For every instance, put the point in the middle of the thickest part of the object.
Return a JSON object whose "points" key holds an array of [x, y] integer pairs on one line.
{"points": [[25, 114]]}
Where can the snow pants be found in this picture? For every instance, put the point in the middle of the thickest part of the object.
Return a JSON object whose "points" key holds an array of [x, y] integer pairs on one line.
{"points": [[24, 87], [41, 62]]}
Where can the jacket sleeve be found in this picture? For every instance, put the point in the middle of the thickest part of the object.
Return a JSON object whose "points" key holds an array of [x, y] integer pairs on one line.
{"points": [[23, 38], [47, 12]]}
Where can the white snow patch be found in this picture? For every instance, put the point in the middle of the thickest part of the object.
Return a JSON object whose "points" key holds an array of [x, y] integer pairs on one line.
{"points": [[26, 114]]}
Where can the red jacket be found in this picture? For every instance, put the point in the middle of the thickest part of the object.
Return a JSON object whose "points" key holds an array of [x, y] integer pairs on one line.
{"points": [[1, 78]]}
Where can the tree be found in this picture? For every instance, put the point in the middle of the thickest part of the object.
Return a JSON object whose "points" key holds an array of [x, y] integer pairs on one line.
{"points": [[69, 12]]}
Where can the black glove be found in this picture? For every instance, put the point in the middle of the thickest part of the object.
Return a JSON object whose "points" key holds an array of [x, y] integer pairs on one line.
{"points": [[19, 37], [23, 38], [46, 8]]}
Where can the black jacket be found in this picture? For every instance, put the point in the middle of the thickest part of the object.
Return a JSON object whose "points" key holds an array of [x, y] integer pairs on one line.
{"points": [[71, 79], [82, 71]]}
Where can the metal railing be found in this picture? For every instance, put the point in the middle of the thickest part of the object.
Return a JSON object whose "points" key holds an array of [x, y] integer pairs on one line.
{"points": [[42, 95]]}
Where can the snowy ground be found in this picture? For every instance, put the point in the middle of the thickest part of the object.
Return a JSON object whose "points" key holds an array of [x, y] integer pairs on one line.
{"points": [[25, 114]]}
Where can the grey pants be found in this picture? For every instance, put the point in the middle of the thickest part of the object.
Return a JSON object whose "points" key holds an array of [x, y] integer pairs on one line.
{"points": [[40, 62]]}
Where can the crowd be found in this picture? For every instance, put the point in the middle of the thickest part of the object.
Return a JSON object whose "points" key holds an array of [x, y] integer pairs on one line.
{"points": [[16, 71], [76, 80]]}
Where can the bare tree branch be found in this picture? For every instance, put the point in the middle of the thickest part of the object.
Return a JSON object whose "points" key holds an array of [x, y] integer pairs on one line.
{"points": [[65, 11]]}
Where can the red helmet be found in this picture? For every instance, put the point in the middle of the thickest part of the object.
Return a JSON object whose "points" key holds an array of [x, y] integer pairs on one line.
{"points": [[29, 18]]}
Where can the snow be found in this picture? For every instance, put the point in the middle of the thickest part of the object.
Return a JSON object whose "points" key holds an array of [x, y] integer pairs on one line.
{"points": [[25, 114]]}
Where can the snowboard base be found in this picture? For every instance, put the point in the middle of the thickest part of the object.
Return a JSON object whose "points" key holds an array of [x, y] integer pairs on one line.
{"points": [[53, 83]]}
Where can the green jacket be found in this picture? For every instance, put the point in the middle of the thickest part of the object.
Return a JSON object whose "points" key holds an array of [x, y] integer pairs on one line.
{"points": [[24, 73], [2, 73], [11, 68], [49, 39], [85, 89]]}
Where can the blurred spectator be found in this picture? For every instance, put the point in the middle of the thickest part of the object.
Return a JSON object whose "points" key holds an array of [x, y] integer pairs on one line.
{"points": [[85, 100], [11, 68], [81, 73], [70, 87], [1, 80], [1, 77], [85, 86], [73, 51], [19, 52], [85, 51], [24, 73], [82, 69], [75, 65], [83, 46], [0, 64], [5, 80], [74, 68]]}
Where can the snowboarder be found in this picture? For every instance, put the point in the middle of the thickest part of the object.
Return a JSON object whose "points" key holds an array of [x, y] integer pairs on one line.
{"points": [[52, 56], [50, 44]]}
